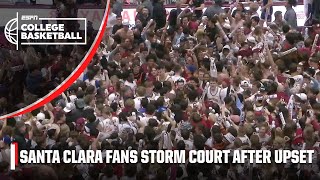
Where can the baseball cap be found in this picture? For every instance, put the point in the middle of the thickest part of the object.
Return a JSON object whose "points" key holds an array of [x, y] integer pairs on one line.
{"points": [[40, 116], [6, 139], [302, 96], [111, 89], [191, 68], [251, 39], [80, 124], [245, 84], [226, 47], [125, 23], [80, 103], [69, 107], [112, 97], [61, 103]]}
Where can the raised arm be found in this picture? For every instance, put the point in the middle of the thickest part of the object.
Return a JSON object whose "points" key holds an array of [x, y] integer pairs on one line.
{"points": [[172, 122], [269, 57], [180, 16], [146, 29], [50, 106], [50, 114], [213, 68], [229, 14], [113, 52]]}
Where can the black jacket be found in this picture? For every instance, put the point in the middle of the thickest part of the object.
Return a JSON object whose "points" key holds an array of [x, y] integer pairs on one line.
{"points": [[159, 15], [316, 10], [174, 13], [74, 115], [20, 139]]}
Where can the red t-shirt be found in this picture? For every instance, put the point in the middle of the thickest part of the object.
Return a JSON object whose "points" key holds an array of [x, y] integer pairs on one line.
{"points": [[193, 25], [206, 123], [145, 68], [305, 50], [151, 78], [276, 120], [283, 95], [281, 79]]}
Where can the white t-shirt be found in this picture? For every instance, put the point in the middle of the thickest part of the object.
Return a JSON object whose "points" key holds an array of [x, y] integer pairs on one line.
{"points": [[137, 102], [132, 85], [209, 142], [108, 125], [189, 144], [298, 80], [178, 77], [73, 98], [224, 92], [154, 97], [112, 20]]}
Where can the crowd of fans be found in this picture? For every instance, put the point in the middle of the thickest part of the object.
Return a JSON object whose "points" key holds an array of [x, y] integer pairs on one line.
{"points": [[215, 79]]}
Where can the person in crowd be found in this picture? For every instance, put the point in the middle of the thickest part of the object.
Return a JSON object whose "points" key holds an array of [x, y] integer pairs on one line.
{"points": [[173, 16], [147, 4], [143, 16], [215, 8], [125, 32], [117, 26], [239, 8], [197, 6], [266, 10], [290, 16], [159, 14], [117, 7], [278, 19]]}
